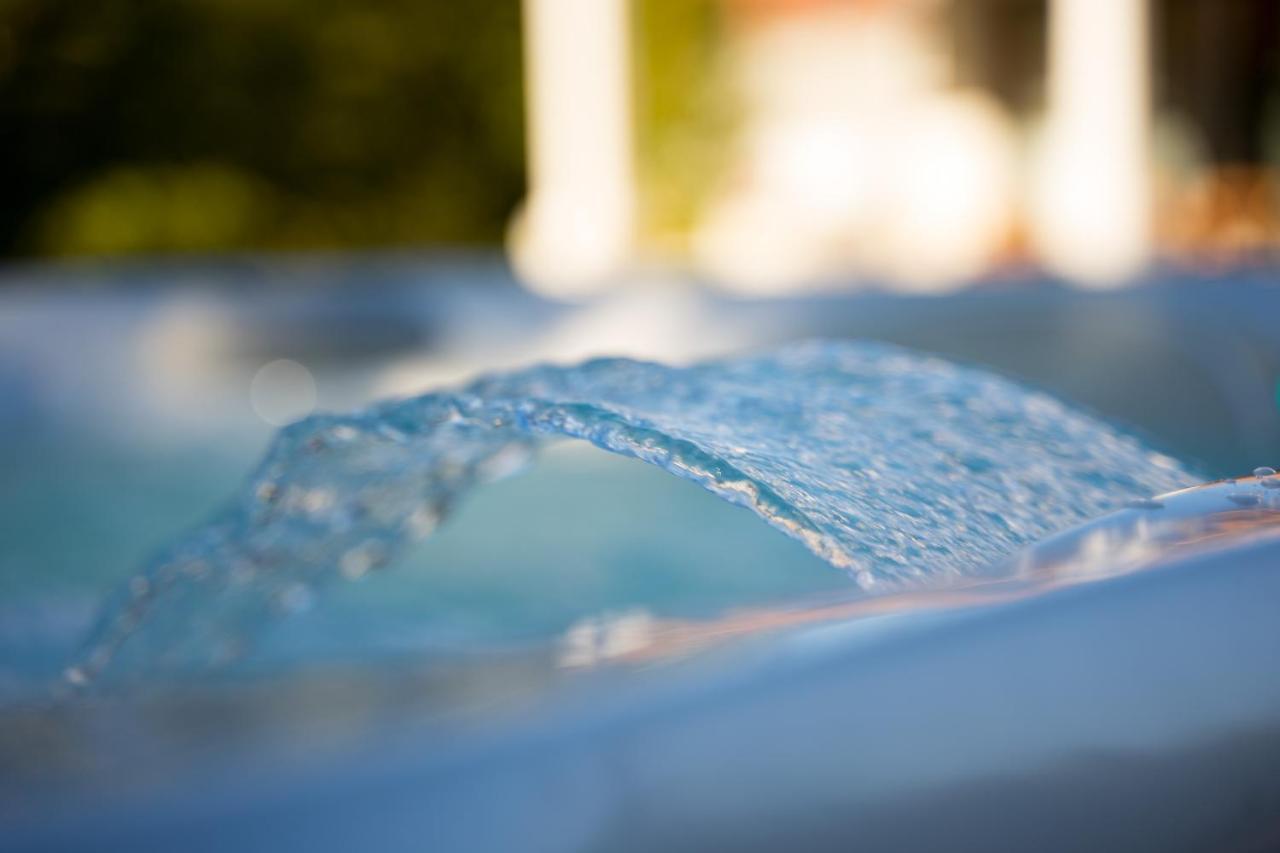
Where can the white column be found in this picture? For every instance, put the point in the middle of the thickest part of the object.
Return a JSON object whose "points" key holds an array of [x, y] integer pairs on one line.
{"points": [[575, 233], [1091, 215]]}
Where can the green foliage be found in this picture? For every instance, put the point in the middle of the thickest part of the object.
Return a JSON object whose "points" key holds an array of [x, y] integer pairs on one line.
{"points": [[685, 111], [173, 125]]}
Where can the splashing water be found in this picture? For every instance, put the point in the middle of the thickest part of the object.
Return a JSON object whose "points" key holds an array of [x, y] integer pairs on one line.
{"points": [[896, 467]]}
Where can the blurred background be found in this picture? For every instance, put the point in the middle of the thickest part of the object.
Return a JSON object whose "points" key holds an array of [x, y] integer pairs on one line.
{"points": [[764, 145]]}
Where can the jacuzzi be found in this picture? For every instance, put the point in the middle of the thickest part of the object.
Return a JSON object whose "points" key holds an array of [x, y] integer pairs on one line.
{"points": [[632, 686]]}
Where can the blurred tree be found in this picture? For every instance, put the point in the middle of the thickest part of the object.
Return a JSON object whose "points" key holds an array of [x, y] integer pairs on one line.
{"points": [[144, 126], [686, 110]]}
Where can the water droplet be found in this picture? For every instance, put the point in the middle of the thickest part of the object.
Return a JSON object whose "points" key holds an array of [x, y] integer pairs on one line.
{"points": [[344, 433], [421, 522], [316, 501], [360, 560], [1264, 471], [295, 598]]}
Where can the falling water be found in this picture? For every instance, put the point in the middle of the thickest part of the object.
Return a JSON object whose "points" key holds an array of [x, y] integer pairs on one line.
{"points": [[898, 468]]}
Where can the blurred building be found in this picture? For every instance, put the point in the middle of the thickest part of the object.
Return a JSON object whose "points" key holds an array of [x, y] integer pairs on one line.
{"points": [[772, 145]]}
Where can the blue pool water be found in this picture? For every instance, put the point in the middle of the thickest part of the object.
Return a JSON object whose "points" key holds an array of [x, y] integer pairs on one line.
{"points": [[893, 467], [445, 693]]}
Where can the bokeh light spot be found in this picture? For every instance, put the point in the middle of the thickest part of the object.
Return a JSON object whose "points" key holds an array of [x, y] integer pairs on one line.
{"points": [[282, 391]]}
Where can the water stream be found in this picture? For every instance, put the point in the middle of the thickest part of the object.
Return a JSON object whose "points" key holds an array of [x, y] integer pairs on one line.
{"points": [[898, 468]]}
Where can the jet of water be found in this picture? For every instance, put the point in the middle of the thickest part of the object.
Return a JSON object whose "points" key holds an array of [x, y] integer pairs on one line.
{"points": [[898, 468]]}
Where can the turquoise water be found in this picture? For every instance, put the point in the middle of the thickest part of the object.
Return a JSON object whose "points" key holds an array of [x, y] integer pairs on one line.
{"points": [[896, 468]]}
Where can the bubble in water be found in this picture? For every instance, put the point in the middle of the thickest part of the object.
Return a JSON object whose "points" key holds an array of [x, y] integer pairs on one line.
{"points": [[1264, 471], [422, 522]]}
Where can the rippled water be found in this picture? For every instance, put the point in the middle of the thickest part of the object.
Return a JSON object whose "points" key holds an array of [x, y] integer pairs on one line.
{"points": [[896, 467]]}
